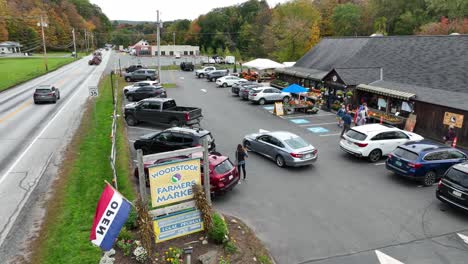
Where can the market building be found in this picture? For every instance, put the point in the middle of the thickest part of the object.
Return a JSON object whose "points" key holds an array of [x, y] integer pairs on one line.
{"points": [[144, 48], [414, 82]]}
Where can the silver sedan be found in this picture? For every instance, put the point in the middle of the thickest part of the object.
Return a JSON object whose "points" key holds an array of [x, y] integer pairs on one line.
{"points": [[285, 148]]}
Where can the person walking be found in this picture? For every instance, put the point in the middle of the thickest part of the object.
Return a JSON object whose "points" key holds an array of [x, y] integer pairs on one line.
{"points": [[340, 114], [241, 155], [450, 136], [346, 123]]}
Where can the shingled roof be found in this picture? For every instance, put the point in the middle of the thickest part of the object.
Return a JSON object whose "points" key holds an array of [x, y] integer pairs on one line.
{"points": [[435, 62]]}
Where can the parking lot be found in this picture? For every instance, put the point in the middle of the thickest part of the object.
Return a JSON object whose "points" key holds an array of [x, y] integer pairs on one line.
{"points": [[340, 210]]}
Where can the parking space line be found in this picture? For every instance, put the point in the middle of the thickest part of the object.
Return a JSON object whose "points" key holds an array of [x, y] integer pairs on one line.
{"points": [[299, 121], [320, 124], [379, 164], [311, 115], [148, 129], [329, 135]]}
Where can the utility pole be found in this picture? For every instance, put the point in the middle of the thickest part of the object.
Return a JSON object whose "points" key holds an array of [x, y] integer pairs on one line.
{"points": [[92, 41], [173, 38], [43, 24], [85, 41], [158, 39], [74, 43]]}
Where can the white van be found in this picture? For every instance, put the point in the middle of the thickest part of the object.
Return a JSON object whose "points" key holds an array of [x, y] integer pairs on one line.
{"points": [[230, 60]]}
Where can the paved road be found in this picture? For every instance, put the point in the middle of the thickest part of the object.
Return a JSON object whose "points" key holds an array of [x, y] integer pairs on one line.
{"points": [[340, 210], [32, 138]]}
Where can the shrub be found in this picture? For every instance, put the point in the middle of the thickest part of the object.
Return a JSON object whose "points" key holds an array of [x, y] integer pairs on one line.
{"points": [[349, 94], [218, 231], [264, 259], [140, 254], [173, 255], [230, 248], [131, 222], [126, 246], [224, 260], [125, 234]]}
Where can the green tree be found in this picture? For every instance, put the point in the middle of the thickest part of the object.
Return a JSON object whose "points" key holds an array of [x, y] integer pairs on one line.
{"points": [[226, 52], [380, 25], [346, 19], [449, 8]]}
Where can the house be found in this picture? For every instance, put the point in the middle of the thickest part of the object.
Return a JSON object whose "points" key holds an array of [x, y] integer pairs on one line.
{"points": [[419, 78], [144, 48], [9, 47]]}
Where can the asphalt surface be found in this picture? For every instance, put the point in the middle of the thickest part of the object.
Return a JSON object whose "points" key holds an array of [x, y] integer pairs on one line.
{"points": [[340, 210], [32, 141]]}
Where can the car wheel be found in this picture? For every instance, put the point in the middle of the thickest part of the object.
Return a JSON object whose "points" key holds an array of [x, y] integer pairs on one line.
{"points": [[174, 123], [130, 98], [375, 155], [286, 100], [429, 178], [201, 75], [131, 121], [55, 101], [125, 92], [128, 79], [262, 101], [35, 102], [224, 85], [279, 161], [213, 79], [247, 145]]}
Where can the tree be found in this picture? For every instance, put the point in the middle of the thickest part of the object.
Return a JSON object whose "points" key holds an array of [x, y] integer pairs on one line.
{"points": [[345, 19], [380, 25], [452, 9], [445, 27]]}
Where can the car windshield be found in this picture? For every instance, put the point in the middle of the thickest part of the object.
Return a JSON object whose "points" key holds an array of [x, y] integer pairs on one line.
{"points": [[406, 154], [457, 177], [42, 90], [224, 167], [356, 135], [296, 143]]}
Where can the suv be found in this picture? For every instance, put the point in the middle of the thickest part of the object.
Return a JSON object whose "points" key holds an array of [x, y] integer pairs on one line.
{"points": [[373, 141], [137, 85], [202, 72], [213, 75], [173, 139], [146, 92], [453, 187], [187, 66], [245, 90], [262, 95], [141, 75], [46, 93], [425, 160]]}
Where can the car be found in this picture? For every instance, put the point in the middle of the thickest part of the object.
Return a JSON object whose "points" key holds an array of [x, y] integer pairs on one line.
{"points": [[46, 93], [201, 73], [423, 160], [229, 81], [141, 75], [235, 88], [230, 59], [223, 174], [285, 148], [374, 141], [133, 68], [263, 95], [245, 90], [453, 187], [137, 85], [146, 92], [173, 139], [161, 111], [187, 66], [214, 75]]}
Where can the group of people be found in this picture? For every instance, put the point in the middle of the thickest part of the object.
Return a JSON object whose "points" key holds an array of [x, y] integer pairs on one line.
{"points": [[345, 120]]}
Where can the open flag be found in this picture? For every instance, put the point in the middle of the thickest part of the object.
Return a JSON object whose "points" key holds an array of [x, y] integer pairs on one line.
{"points": [[111, 213]]}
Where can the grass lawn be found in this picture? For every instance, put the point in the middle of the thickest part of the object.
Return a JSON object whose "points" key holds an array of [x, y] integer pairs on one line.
{"points": [[18, 70], [65, 233]]}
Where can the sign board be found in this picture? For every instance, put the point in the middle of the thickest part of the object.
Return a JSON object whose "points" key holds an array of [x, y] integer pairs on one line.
{"points": [[172, 182], [278, 110], [410, 123], [170, 209], [93, 91], [177, 225], [453, 119]]}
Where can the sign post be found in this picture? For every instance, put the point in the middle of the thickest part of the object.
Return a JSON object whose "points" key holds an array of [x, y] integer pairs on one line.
{"points": [[141, 175], [93, 91], [206, 171]]}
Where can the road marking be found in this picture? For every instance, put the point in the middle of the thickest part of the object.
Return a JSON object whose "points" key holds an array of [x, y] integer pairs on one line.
{"points": [[3, 177], [299, 121], [149, 129], [317, 129], [329, 135], [380, 163], [310, 115], [12, 114], [320, 124], [463, 237], [386, 259]]}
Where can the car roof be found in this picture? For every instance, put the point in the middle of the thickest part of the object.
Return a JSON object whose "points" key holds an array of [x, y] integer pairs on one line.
{"points": [[150, 82], [45, 86], [150, 86], [154, 99], [461, 167], [194, 131], [370, 128], [282, 135], [423, 146]]}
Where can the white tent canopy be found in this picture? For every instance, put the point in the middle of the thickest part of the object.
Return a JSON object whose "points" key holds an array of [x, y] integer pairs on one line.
{"points": [[263, 64], [289, 63]]}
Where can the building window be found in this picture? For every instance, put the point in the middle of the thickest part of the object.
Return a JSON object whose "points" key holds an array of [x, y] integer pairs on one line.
{"points": [[171, 53], [191, 52], [185, 52], [163, 53]]}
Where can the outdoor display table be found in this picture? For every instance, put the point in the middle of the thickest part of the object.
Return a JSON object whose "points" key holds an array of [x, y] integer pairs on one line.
{"points": [[375, 116]]}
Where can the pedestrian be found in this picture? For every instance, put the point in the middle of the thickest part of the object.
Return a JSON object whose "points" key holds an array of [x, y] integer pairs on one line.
{"points": [[450, 136], [346, 123], [340, 114], [241, 155], [361, 115]]}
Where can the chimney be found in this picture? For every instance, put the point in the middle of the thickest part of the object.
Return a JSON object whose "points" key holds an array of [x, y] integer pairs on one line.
{"points": [[381, 73]]}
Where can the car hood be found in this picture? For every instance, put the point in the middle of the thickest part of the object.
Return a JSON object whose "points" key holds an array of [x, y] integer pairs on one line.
{"points": [[414, 136], [131, 106]]}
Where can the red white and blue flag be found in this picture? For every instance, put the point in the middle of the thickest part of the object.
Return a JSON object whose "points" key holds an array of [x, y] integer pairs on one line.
{"points": [[111, 213]]}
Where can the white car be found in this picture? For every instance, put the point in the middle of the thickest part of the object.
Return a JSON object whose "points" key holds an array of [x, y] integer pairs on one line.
{"points": [[137, 85], [229, 81], [373, 141], [262, 95]]}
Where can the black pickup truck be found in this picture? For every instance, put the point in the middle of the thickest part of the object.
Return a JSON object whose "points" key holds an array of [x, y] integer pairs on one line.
{"points": [[162, 111]]}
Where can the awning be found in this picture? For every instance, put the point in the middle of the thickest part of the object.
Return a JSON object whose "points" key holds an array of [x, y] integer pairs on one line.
{"points": [[303, 73], [385, 91]]}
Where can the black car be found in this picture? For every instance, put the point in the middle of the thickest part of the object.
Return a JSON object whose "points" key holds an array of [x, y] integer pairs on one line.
{"points": [[213, 75], [453, 187], [146, 92], [133, 68], [187, 66], [173, 139], [46, 93], [141, 75], [235, 88]]}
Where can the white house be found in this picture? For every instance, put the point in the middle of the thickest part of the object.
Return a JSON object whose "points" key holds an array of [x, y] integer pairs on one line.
{"points": [[143, 48], [9, 47]]}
